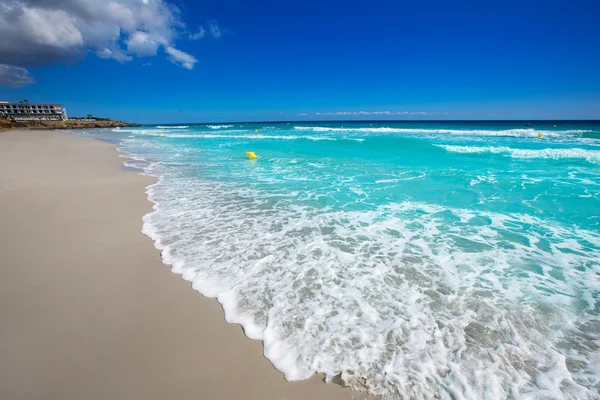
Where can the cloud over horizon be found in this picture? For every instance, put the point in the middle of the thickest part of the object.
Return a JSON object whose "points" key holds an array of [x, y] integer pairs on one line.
{"points": [[377, 113], [41, 32]]}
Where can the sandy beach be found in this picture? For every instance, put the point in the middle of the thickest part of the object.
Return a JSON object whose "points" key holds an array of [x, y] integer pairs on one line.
{"points": [[88, 310]]}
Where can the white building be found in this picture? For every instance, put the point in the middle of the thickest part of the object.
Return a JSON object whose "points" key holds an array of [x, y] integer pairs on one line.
{"points": [[28, 112]]}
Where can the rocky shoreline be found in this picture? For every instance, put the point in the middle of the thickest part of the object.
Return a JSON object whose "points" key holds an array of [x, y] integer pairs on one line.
{"points": [[6, 124]]}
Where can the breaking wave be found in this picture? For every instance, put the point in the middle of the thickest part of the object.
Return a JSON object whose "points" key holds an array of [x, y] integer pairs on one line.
{"points": [[592, 156], [219, 126], [477, 132]]}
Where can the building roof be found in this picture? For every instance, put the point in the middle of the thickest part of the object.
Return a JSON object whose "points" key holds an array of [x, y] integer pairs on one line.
{"points": [[30, 104]]}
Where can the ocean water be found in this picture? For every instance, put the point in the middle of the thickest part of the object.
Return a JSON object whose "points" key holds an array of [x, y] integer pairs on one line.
{"points": [[416, 260]]}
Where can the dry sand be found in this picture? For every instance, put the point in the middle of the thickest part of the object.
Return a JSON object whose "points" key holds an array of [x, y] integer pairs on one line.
{"points": [[88, 310]]}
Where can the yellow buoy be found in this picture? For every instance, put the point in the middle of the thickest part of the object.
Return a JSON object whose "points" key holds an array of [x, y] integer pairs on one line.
{"points": [[257, 131], [540, 136], [555, 126], [161, 134], [251, 155]]}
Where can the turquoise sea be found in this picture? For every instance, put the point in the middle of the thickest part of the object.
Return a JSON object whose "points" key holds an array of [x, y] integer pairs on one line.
{"points": [[419, 260]]}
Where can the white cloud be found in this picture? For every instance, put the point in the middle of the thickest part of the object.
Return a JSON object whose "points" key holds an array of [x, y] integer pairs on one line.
{"points": [[116, 54], [179, 57], [303, 114], [198, 35], [55, 28], [141, 44], [40, 32], [14, 76], [214, 30]]}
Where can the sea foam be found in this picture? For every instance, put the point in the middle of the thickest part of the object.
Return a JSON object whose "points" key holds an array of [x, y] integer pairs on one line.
{"points": [[219, 126], [394, 299], [411, 270], [468, 132], [592, 156]]}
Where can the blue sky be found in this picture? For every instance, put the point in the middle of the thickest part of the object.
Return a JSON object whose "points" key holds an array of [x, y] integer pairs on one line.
{"points": [[308, 60]]}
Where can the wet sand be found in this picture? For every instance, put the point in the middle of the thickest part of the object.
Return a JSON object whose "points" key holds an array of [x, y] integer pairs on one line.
{"points": [[88, 310]]}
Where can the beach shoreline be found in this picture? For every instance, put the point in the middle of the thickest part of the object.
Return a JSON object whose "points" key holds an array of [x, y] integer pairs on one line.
{"points": [[88, 308]]}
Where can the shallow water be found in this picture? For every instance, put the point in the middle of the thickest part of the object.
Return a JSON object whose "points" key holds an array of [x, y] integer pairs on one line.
{"points": [[442, 259]]}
